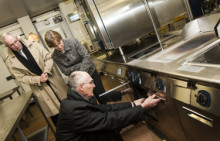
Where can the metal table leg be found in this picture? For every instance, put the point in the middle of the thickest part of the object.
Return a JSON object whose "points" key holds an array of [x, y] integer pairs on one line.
{"points": [[36, 101], [21, 134], [13, 137]]}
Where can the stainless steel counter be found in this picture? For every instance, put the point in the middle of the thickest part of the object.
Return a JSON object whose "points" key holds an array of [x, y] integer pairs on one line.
{"points": [[174, 67], [191, 84], [11, 113], [192, 91]]}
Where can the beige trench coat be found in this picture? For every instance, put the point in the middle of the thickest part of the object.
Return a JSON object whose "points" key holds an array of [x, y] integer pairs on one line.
{"points": [[42, 91]]}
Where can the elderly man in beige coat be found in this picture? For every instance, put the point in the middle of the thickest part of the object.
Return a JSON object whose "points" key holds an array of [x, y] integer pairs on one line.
{"points": [[32, 64]]}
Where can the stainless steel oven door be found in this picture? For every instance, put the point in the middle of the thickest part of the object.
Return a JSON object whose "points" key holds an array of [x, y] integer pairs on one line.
{"points": [[198, 125], [165, 119]]}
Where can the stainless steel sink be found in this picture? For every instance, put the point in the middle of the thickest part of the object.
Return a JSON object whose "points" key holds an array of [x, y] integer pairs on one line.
{"points": [[208, 56]]}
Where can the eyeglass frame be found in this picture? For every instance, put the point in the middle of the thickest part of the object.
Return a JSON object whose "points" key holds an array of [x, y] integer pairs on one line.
{"points": [[14, 43], [90, 82]]}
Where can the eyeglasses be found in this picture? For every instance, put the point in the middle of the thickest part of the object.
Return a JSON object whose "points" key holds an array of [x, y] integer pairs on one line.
{"points": [[91, 82], [14, 43]]}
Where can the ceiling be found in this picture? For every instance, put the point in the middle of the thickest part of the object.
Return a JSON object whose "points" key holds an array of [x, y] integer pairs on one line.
{"points": [[11, 10]]}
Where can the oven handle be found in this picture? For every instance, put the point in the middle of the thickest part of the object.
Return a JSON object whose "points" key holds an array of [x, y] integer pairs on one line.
{"points": [[115, 88], [199, 117], [84, 24]]}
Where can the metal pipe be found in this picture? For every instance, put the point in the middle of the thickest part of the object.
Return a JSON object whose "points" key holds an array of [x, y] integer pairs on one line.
{"points": [[21, 134], [122, 54], [186, 2], [153, 23], [41, 110], [126, 83]]}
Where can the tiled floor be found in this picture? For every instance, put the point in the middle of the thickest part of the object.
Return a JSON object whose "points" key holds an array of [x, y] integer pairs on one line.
{"points": [[33, 123], [137, 132]]}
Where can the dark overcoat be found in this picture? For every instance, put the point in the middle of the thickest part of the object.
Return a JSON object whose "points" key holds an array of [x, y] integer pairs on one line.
{"points": [[83, 120]]}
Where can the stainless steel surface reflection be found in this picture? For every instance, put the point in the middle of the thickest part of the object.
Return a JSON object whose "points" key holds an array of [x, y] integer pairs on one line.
{"points": [[116, 22], [200, 25], [191, 109], [123, 17], [167, 10], [207, 56], [210, 57], [178, 50]]}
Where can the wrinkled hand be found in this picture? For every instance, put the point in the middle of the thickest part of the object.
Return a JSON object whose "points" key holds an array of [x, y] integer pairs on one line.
{"points": [[150, 102], [139, 101], [159, 95], [44, 77]]}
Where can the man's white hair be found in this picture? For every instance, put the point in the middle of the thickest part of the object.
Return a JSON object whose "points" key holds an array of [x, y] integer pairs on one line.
{"points": [[76, 78], [4, 35]]}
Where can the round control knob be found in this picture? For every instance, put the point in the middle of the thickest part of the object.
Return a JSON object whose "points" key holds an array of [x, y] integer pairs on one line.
{"points": [[130, 75], [203, 98], [136, 77], [159, 84]]}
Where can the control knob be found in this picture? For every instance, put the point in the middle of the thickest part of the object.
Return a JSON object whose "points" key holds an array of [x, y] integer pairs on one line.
{"points": [[136, 77], [159, 84], [203, 98], [131, 76]]}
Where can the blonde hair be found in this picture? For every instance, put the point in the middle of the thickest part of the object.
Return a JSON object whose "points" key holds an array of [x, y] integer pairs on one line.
{"points": [[52, 36]]}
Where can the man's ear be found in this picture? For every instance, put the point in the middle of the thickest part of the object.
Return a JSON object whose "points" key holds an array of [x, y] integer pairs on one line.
{"points": [[80, 87]]}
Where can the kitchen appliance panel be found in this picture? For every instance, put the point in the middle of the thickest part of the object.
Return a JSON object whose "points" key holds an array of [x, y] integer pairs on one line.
{"points": [[167, 10], [180, 91], [206, 98], [165, 119], [123, 20], [197, 124], [162, 84], [147, 80]]}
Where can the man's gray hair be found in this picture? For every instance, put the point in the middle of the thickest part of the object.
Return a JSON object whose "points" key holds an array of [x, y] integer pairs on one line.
{"points": [[76, 78], [4, 35]]}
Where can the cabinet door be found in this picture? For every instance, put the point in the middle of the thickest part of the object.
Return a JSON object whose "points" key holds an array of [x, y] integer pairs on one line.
{"points": [[165, 118], [197, 124]]}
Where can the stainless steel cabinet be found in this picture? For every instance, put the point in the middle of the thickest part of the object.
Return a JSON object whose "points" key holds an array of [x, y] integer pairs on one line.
{"points": [[115, 22], [197, 124]]}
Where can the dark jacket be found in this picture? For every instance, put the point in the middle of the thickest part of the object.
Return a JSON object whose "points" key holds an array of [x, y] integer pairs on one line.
{"points": [[83, 120]]}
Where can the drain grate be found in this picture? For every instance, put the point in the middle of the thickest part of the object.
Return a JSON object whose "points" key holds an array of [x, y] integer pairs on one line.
{"points": [[39, 135]]}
